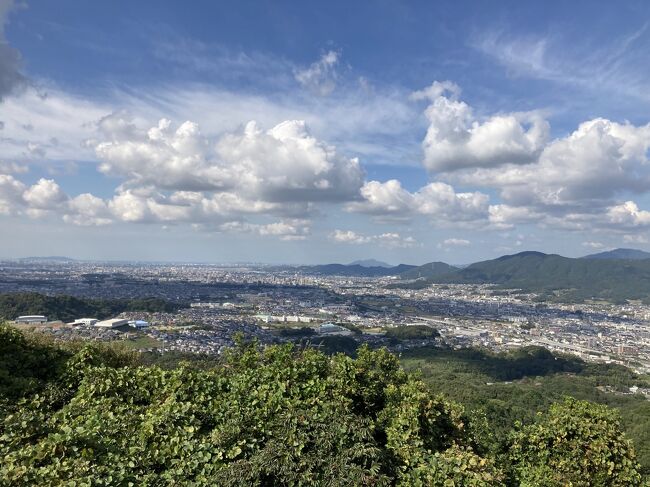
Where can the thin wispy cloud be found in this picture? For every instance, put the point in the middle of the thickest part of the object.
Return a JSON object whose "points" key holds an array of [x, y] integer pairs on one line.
{"points": [[321, 76], [616, 65]]}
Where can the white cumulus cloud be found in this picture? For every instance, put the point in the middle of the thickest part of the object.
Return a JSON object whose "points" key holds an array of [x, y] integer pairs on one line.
{"points": [[438, 201], [46, 194], [283, 164], [457, 139], [87, 210], [628, 214]]}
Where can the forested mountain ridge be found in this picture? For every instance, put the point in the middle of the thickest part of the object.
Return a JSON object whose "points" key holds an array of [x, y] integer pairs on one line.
{"points": [[630, 254], [82, 414], [428, 271], [614, 279]]}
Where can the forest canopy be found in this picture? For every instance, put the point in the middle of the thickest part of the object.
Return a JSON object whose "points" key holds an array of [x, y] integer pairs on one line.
{"points": [[78, 414]]}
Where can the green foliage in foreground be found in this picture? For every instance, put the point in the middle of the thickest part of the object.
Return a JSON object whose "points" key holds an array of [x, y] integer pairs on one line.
{"points": [[510, 387], [278, 416], [67, 308], [544, 453]]}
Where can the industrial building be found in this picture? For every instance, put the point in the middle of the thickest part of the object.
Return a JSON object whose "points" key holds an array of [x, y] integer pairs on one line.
{"points": [[112, 323], [332, 329], [85, 321], [31, 319], [138, 324]]}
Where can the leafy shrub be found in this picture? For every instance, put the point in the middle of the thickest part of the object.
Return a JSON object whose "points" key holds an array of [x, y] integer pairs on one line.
{"points": [[277, 416], [576, 443]]}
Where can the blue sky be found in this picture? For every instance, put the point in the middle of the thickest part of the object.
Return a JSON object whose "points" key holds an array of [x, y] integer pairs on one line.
{"points": [[404, 131]]}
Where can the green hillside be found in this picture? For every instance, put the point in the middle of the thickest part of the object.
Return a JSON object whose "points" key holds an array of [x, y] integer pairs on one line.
{"points": [[612, 279], [513, 386], [73, 414], [427, 271]]}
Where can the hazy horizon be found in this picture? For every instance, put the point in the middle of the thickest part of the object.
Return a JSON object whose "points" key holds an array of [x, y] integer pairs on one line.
{"points": [[270, 263]]}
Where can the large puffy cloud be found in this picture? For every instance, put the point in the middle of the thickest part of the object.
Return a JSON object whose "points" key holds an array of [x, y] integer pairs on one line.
{"points": [[43, 198], [628, 215], [456, 139], [573, 182], [439, 201], [87, 210], [506, 216], [583, 172], [131, 207], [170, 159], [283, 164], [388, 199], [146, 205], [46, 194], [287, 163]]}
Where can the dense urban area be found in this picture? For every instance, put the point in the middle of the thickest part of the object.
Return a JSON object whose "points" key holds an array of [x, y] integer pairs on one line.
{"points": [[214, 303]]}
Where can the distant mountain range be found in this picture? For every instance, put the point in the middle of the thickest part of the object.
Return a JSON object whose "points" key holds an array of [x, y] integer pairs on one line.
{"points": [[614, 279], [370, 263], [355, 270], [47, 259], [629, 254], [429, 271], [615, 275]]}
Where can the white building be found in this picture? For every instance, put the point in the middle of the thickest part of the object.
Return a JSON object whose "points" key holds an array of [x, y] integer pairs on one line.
{"points": [[332, 329], [112, 323], [138, 324], [31, 319], [85, 321]]}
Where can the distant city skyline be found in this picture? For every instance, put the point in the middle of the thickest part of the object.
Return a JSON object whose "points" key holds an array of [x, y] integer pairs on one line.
{"points": [[282, 132]]}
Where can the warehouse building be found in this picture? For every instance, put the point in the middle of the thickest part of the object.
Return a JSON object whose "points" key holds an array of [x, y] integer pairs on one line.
{"points": [[112, 323], [138, 324], [85, 321], [31, 319]]}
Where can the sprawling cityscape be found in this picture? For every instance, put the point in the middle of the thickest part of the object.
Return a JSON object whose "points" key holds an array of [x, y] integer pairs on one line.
{"points": [[218, 302]]}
